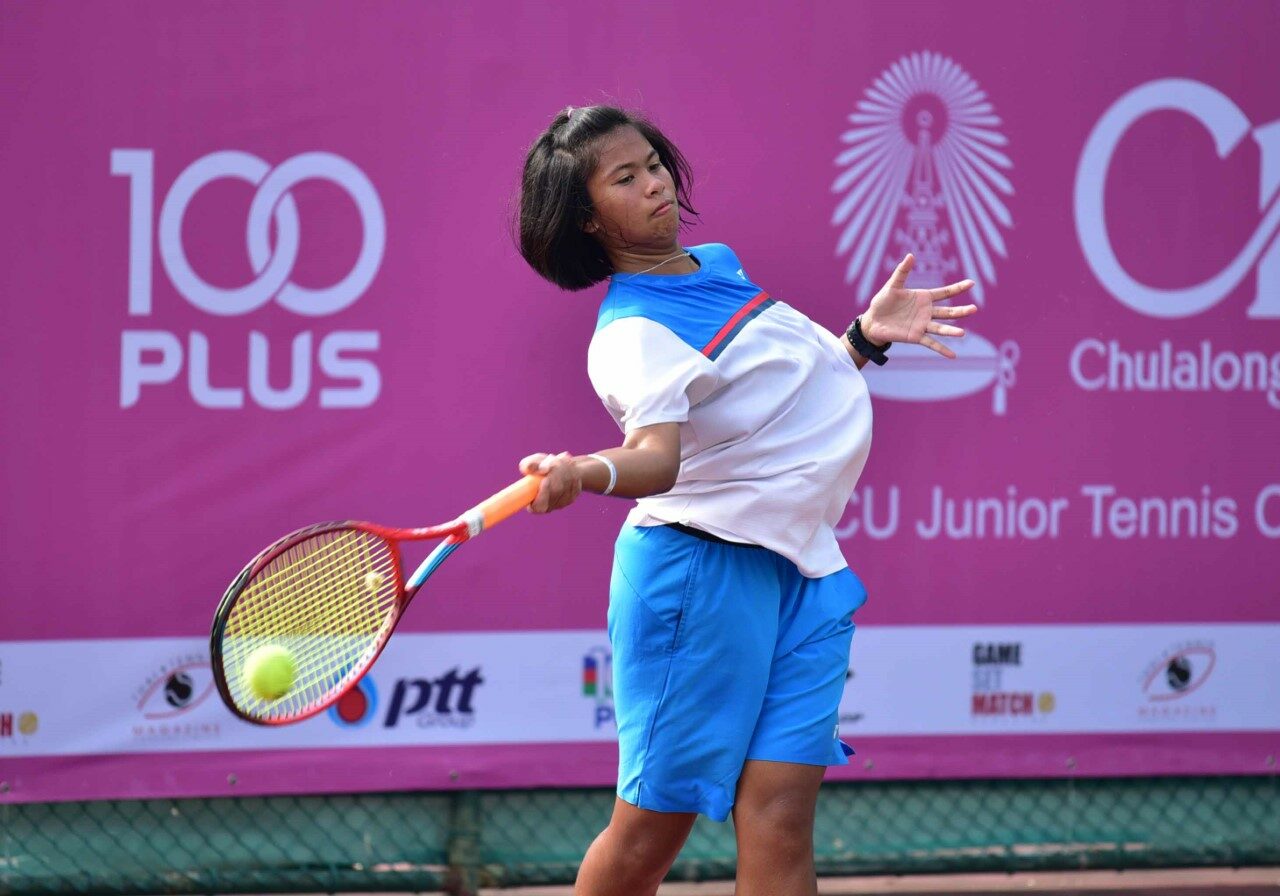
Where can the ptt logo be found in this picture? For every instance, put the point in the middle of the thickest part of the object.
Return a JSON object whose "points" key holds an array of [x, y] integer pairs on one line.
{"points": [[357, 707], [597, 683], [150, 358], [444, 702]]}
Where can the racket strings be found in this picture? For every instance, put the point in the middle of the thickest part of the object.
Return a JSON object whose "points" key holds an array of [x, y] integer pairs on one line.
{"points": [[330, 631], [327, 600]]}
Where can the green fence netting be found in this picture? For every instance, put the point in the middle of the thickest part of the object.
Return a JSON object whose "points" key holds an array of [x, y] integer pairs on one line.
{"points": [[459, 841]]}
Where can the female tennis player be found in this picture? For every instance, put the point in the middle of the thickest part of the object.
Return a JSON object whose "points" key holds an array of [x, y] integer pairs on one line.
{"points": [[745, 427]]}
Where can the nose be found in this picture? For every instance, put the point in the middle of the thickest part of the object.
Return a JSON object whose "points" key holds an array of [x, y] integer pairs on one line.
{"points": [[655, 186]]}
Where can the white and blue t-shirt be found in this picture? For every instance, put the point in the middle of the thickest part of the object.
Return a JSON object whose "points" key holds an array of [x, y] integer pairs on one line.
{"points": [[775, 418]]}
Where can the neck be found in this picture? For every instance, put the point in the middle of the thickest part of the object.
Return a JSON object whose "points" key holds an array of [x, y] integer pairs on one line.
{"points": [[666, 262]]}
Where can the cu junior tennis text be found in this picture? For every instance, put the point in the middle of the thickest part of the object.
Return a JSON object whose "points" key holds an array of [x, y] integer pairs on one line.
{"points": [[1103, 511]]}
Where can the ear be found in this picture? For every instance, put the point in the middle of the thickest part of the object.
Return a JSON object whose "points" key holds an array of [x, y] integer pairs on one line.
{"points": [[591, 226]]}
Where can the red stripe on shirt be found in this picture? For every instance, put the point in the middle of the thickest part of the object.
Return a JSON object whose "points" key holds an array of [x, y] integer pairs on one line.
{"points": [[733, 322]]}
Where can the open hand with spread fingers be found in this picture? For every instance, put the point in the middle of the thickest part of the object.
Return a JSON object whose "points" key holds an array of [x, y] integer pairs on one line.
{"points": [[900, 314]]}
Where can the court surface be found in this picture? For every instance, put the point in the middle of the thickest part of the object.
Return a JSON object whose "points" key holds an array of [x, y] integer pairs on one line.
{"points": [[1176, 882]]}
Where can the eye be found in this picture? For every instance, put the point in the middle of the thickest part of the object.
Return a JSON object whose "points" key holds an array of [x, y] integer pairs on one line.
{"points": [[626, 180], [176, 691], [1179, 673]]}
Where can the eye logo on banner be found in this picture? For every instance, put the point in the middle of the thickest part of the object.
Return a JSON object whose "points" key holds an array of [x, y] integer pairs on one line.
{"points": [[1179, 671], [1167, 367], [1168, 680], [923, 169], [155, 357], [172, 690]]}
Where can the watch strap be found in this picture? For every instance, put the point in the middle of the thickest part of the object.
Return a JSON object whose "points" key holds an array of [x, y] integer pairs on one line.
{"points": [[863, 346]]}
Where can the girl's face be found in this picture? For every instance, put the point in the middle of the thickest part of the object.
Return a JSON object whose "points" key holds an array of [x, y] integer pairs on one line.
{"points": [[633, 195]]}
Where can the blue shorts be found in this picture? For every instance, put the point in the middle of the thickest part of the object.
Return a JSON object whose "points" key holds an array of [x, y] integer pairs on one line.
{"points": [[721, 653]]}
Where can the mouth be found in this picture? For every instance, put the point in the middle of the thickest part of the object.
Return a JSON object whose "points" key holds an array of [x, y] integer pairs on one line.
{"points": [[663, 209]]}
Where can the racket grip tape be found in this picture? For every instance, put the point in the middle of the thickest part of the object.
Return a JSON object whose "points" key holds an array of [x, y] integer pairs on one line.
{"points": [[511, 499]]}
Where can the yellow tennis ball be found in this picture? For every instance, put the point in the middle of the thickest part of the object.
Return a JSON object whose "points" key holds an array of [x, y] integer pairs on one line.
{"points": [[269, 672], [373, 581]]}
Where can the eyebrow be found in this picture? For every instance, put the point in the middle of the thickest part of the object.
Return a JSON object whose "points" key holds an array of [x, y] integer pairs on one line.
{"points": [[625, 165]]}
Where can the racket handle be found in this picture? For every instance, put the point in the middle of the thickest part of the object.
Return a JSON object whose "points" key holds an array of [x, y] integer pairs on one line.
{"points": [[514, 497]]}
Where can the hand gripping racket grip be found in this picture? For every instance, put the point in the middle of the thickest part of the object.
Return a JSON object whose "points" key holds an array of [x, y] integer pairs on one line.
{"points": [[494, 510]]}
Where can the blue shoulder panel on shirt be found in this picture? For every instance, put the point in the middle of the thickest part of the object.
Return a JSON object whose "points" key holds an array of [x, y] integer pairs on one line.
{"points": [[696, 307]]}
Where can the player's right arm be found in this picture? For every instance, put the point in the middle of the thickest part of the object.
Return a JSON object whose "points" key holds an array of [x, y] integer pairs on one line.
{"points": [[647, 462]]}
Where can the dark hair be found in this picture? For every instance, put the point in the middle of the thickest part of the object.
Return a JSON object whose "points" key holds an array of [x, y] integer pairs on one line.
{"points": [[554, 203]]}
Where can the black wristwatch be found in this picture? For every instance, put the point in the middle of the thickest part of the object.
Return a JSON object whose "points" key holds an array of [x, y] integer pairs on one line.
{"points": [[873, 353]]}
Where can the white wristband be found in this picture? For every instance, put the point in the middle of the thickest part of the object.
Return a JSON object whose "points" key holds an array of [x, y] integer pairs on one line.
{"points": [[613, 471]]}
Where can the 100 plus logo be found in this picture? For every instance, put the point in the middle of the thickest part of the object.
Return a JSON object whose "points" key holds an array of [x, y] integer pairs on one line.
{"points": [[154, 357]]}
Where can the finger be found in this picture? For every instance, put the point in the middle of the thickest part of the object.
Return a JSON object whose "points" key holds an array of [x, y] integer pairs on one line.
{"points": [[944, 330], [900, 273], [953, 311], [529, 464], [550, 461], [555, 462], [951, 289], [930, 342]]}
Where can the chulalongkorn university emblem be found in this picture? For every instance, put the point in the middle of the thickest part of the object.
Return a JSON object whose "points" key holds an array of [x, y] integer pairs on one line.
{"points": [[922, 171]]}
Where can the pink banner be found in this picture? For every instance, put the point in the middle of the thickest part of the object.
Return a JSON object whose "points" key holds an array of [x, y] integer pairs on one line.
{"points": [[261, 274]]}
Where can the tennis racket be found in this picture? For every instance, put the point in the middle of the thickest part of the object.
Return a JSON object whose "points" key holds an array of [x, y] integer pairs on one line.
{"points": [[330, 595]]}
